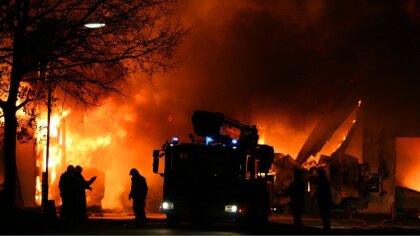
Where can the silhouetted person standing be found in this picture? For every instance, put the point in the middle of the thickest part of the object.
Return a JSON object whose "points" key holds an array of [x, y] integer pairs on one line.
{"points": [[323, 196], [67, 190], [296, 191], [80, 194], [138, 193]]}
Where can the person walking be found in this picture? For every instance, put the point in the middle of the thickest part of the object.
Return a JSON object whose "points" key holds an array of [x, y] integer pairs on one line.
{"points": [[138, 193], [296, 191], [322, 193]]}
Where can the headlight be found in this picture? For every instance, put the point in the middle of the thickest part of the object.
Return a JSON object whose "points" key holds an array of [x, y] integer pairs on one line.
{"points": [[231, 208], [167, 205]]}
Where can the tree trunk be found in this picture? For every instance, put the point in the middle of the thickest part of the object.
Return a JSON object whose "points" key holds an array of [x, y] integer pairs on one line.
{"points": [[9, 190], [9, 111], [10, 131]]}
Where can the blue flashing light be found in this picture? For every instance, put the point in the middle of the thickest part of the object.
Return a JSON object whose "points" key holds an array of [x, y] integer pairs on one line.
{"points": [[234, 142], [175, 140], [208, 140]]}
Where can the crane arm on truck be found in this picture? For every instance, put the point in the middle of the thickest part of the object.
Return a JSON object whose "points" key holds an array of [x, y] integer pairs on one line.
{"points": [[217, 125]]}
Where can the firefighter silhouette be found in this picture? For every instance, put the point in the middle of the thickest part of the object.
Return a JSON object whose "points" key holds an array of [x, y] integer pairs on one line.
{"points": [[80, 195], [138, 193], [67, 190], [322, 193], [296, 191]]}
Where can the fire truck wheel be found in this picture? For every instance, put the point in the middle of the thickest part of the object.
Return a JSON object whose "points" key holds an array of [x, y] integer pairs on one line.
{"points": [[172, 220], [261, 221], [252, 222], [201, 220]]}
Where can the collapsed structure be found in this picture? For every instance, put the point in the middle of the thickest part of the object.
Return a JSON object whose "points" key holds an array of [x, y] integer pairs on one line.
{"points": [[362, 168]]}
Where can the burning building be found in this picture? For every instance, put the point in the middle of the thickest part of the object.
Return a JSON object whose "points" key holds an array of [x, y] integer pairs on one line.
{"points": [[105, 148], [280, 65]]}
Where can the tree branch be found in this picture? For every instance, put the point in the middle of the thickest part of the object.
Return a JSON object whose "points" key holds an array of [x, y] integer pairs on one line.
{"points": [[23, 104]]}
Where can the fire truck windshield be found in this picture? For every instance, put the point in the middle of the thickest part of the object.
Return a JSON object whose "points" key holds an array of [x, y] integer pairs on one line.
{"points": [[205, 161]]}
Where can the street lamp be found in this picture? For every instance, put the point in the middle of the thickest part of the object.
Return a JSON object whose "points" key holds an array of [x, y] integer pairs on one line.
{"points": [[94, 25]]}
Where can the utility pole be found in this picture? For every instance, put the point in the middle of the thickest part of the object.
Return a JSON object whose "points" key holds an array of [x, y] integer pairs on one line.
{"points": [[45, 180]]}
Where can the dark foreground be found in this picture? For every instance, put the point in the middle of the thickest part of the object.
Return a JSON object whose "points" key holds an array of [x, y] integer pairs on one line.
{"points": [[27, 222]]}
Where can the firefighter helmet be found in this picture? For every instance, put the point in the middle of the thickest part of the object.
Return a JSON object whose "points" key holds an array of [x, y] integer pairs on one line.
{"points": [[134, 171]]}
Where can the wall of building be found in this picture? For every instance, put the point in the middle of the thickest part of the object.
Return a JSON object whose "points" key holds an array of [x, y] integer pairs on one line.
{"points": [[25, 162], [385, 118], [379, 153]]}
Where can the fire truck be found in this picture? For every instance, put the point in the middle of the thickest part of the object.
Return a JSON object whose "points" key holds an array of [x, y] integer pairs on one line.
{"points": [[223, 174]]}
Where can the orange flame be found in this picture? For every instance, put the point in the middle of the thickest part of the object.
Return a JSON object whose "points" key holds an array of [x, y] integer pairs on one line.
{"points": [[55, 154]]}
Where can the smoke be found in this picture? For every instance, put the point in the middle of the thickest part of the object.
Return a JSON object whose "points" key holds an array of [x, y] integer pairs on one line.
{"points": [[292, 61]]}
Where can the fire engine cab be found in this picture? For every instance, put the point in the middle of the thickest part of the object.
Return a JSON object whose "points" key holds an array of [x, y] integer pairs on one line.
{"points": [[223, 174]]}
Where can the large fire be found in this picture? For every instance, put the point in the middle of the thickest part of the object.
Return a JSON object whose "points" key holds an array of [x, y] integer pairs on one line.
{"points": [[66, 148], [105, 144]]}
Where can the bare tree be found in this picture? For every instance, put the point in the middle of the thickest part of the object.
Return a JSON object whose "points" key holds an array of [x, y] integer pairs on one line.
{"points": [[46, 43]]}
